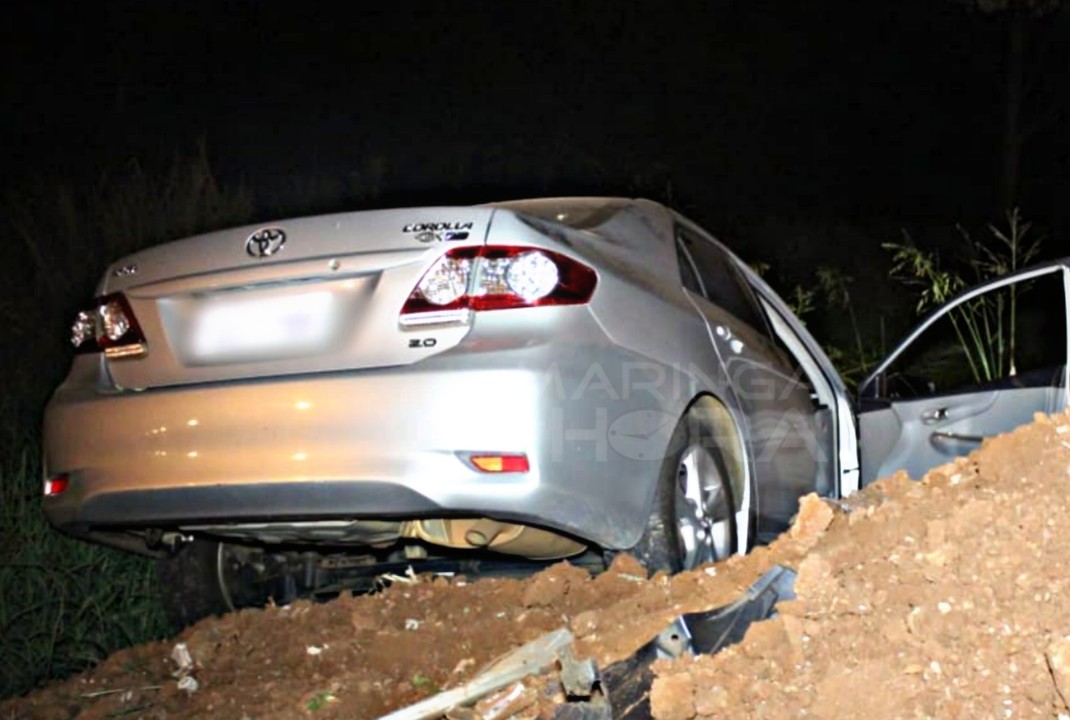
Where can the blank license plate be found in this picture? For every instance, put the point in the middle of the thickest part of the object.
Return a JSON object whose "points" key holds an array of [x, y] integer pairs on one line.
{"points": [[262, 327]]}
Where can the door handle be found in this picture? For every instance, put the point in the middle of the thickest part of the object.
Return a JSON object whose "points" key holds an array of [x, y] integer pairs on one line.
{"points": [[934, 415], [957, 437]]}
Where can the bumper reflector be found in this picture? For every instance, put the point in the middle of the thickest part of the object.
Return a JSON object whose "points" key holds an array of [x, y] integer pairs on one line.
{"points": [[501, 463], [56, 485]]}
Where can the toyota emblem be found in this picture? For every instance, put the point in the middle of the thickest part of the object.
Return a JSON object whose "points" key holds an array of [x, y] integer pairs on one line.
{"points": [[265, 242]]}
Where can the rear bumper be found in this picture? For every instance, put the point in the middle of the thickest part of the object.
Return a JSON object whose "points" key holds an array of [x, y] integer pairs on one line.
{"points": [[362, 445]]}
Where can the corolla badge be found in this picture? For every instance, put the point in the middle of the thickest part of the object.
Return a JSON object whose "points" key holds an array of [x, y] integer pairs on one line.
{"points": [[265, 242], [429, 232]]}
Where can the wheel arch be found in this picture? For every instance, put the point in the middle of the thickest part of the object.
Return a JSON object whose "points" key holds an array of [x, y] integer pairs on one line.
{"points": [[727, 425]]}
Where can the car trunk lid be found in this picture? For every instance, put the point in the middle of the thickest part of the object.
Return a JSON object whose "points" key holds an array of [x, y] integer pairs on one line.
{"points": [[310, 295]]}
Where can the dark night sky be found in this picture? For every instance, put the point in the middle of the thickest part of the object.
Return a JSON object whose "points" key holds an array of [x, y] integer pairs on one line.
{"points": [[881, 107]]}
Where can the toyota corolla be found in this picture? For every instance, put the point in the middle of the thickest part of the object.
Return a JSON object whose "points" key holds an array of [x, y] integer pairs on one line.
{"points": [[274, 410]]}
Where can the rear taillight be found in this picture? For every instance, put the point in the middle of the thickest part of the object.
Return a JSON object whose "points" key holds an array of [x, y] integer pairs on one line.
{"points": [[56, 485], [108, 325], [496, 278]]}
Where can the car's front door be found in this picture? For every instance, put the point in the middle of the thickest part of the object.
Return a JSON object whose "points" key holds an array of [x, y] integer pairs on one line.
{"points": [[980, 365]]}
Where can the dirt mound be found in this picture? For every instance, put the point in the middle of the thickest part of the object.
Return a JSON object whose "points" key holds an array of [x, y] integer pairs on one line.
{"points": [[941, 598], [945, 598]]}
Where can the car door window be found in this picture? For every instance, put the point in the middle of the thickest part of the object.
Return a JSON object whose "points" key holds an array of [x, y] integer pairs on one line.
{"points": [[719, 280], [723, 285], [688, 274], [1010, 337], [982, 365]]}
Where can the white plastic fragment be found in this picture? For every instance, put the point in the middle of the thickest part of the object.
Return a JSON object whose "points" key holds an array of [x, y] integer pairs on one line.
{"points": [[315, 649], [409, 578], [182, 658], [501, 704], [531, 659], [412, 624], [188, 683]]}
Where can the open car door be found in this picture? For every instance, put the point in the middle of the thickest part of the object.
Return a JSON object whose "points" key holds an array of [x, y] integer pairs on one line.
{"points": [[979, 365]]}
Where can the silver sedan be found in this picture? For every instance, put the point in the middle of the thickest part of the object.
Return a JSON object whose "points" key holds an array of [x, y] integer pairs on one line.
{"points": [[538, 379]]}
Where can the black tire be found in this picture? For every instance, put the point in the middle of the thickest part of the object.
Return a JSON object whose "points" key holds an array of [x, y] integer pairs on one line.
{"points": [[206, 578], [661, 547]]}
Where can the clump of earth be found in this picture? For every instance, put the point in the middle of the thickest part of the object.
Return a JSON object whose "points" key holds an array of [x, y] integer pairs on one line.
{"points": [[944, 598]]}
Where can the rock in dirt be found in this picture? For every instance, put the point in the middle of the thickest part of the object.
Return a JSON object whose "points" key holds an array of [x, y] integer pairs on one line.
{"points": [[813, 519]]}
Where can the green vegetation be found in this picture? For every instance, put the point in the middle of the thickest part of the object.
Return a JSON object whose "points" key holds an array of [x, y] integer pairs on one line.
{"points": [[65, 604], [986, 327], [320, 700], [830, 293], [62, 238], [421, 681]]}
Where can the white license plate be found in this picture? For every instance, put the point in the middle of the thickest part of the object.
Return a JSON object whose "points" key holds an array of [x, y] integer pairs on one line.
{"points": [[256, 328]]}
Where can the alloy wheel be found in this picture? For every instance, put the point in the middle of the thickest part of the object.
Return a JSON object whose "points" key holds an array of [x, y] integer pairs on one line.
{"points": [[703, 510]]}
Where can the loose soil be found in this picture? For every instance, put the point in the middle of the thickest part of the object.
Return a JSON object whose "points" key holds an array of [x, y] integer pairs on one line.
{"points": [[943, 598]]}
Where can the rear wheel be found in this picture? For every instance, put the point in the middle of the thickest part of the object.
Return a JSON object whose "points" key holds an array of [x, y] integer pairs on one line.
{"points": [[208, 577], [693, 518]]}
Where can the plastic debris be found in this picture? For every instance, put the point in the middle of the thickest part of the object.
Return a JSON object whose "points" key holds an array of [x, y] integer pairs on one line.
{"points": [[188, 683], [536, 657], [506, 703], [180, 655]]}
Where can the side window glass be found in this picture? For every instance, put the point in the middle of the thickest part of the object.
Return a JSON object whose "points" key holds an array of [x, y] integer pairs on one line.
{"points": [[687, 271], [723, 285], [1014, 336], [777, 326]]}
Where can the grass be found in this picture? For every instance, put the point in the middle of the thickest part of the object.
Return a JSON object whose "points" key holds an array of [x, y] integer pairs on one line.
{"points": [[66, 604]]}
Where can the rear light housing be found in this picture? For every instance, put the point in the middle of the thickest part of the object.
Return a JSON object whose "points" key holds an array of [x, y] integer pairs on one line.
{"points": [[477, 279], [56, 485], [108, 325]]}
